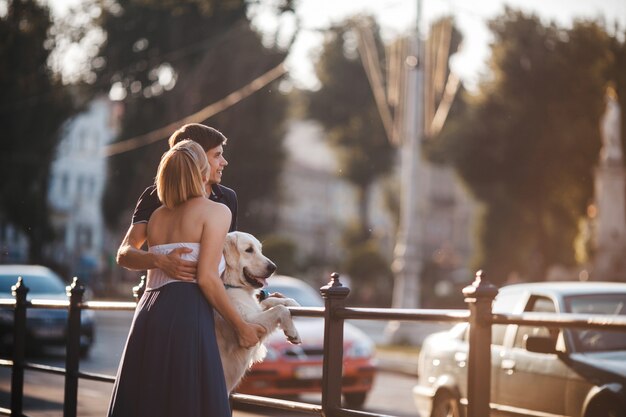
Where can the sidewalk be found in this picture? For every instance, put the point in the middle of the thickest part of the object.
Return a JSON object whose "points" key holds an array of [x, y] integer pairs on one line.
{"points": [[400, 360], [396, 359]]}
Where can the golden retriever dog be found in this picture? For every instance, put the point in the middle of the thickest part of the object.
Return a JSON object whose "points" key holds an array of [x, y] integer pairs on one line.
{"points": [[247, 270]]}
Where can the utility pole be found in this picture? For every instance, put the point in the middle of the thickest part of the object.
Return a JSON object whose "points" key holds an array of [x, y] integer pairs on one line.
{"points": [[407, 264]]}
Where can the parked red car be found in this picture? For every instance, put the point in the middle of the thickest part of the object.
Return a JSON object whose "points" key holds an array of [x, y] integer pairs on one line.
{"points": [[296, 369]]}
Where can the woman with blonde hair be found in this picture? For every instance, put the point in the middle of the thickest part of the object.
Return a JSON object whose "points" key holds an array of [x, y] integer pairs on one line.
{"points": [[171, 365]]}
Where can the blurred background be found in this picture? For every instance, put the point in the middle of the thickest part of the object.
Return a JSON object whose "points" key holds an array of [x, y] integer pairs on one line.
{"points": [[404, 144]]}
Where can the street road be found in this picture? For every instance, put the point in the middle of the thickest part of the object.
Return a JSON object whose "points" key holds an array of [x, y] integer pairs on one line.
{"points": [[44, 392]]}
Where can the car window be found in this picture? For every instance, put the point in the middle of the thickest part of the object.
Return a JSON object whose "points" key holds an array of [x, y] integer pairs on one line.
{"points": [[36, 284], [536, 304], [594, 340], [505, 302], [610, 304], [305, 295], [497, 334]]}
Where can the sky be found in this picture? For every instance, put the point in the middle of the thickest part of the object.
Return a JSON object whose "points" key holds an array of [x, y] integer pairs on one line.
{"points": [[399, 17]]}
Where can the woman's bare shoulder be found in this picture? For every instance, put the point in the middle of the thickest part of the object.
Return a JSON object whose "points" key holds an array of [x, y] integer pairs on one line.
{"points": [[158, 214], [218, 211], [207, 208]]}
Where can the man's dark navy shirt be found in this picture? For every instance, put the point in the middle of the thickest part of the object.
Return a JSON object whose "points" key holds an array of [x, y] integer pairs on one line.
{"points": [[149, 201]]}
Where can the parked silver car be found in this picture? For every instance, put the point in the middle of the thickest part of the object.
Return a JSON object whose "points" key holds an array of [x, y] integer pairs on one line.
{"points": [[535, 371]]}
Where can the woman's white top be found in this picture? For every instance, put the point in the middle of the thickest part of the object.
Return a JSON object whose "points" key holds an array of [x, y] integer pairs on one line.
{"points": [[157, 278]]}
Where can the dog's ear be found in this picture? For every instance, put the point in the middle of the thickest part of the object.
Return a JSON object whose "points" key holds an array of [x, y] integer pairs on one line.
{"points": [[231, 254]]}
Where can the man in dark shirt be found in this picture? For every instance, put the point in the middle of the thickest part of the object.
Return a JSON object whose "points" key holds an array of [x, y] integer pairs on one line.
{"points": [[149, 201], [130, 254]]}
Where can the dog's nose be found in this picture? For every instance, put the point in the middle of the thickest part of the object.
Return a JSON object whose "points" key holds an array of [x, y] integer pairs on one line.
{"points": [[271, 267]]}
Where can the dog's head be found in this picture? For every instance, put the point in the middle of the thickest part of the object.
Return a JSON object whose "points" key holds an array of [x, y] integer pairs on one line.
{"points": [[245, 263]]}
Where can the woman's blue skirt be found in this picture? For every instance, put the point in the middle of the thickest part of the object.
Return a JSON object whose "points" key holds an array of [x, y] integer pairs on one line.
{"points": [[171, 364]]}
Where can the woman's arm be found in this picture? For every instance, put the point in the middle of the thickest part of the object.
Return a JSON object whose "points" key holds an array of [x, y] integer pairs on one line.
{"points": [[215, 225], [131, 256]]}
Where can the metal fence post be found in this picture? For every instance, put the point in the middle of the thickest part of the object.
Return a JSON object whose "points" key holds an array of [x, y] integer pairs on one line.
{"points": [[19, 291], [72, 351], [335, 295], [479, 296]]}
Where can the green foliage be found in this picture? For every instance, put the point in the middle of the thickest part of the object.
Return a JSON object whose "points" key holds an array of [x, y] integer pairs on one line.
{"points": [[353, 234], [438, 289], [527, 143], [370, 274], [391, 198], [618, 75], [255, 128], [33, 106], [212, 51], [345, 106], [283, 252]]}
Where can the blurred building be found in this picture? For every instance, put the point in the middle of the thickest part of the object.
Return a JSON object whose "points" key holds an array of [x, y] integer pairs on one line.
{"points": [[446, 213], [317, 203], [13, 244], [76, 186], [610, 198]]}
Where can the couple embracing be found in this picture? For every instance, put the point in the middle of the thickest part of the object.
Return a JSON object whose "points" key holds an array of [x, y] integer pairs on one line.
{"points": [[171, 362]]}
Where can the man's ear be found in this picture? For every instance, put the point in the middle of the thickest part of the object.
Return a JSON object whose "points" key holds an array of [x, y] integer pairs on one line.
{"points": [[231, 254]]}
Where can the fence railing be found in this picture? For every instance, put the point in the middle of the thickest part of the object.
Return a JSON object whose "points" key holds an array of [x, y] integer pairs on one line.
{"points": [[479, 296]]}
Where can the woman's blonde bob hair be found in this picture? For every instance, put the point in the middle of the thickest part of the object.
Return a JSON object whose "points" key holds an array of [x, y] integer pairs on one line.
{"points": [[182, 174]]}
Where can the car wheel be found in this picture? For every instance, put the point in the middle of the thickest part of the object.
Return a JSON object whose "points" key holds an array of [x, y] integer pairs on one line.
{"points": [[446, 405], [604, 408], [355, 399]]}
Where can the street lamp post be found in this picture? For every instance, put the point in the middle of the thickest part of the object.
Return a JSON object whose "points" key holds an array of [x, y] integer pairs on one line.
{"points": [[407, 262]]}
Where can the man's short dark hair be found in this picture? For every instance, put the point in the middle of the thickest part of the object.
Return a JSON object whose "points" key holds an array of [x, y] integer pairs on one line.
{"points": [[206, 136]]}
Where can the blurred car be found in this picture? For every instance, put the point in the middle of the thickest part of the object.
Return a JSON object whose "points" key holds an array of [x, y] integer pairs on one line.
{"points": [[44, 327], [535, 371], [290, 370]]}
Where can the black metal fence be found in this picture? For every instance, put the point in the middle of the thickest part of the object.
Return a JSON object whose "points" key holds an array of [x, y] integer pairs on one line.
{"points": [[479, 296]]}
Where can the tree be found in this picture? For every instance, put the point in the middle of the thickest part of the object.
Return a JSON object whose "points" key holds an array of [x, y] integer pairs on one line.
{"points": [[33, 106], [618, 75], [527, 143], [171, 59], [345, 106], [370, 275], [283, 252]]}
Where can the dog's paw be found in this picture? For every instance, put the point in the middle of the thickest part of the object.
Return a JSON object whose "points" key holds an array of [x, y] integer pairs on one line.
{"points": [[278, 301], [294, 339], [290, 302]]}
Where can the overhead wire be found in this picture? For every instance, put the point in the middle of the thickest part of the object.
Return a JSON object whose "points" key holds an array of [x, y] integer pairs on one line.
{"points": [[200, 116]]}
